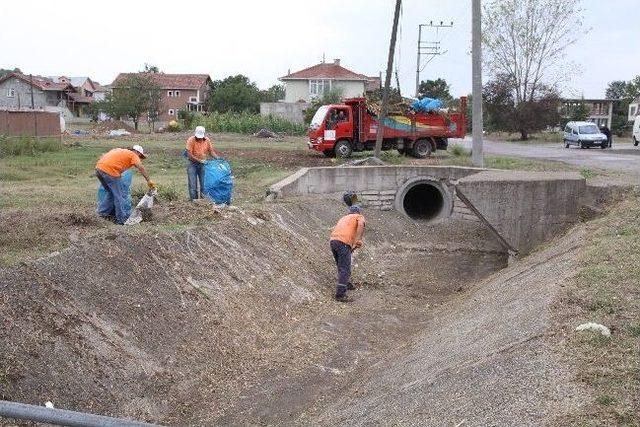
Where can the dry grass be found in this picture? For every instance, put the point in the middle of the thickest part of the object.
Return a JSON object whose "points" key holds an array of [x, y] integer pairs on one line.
{"points": [[607, 291]]}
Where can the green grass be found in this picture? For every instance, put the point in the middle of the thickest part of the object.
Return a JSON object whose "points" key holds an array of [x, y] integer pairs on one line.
{"points": [[27, 146]]}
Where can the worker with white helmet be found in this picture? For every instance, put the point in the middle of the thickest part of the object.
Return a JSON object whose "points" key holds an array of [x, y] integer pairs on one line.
{"points": [[109, 171], [199, 150]]}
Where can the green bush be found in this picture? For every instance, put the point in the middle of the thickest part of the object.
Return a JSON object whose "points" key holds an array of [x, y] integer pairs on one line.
{"points": [[173, 126], [248, 123], [187, 117], [27, 146], [459, 151]]}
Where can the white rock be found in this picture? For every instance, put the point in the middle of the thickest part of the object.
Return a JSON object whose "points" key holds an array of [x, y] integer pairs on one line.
{"points": [[48, 405], [596, 327]]}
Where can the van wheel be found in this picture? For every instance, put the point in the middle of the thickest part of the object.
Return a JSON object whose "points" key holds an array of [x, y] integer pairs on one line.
{"points": [[422, 149], [582, 145], [343, 149]]}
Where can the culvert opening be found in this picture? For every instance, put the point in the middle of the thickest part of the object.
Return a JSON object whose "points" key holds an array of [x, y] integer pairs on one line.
{"points": [[423, 201]]}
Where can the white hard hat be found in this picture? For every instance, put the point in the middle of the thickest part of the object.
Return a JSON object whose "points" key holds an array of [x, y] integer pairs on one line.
{"points": [[139, 149], [199, 132]]}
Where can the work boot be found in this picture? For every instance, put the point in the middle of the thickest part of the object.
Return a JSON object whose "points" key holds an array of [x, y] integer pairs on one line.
{"points": [[350, 286], [343, 298], [341, 292]]}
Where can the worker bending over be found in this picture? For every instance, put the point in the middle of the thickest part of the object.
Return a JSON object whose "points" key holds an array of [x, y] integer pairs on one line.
{"points": [[109, 171], [199, 149], [345, 238]]}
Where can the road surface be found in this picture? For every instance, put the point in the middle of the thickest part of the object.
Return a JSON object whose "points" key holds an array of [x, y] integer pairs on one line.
{"points": [[623, 157]]}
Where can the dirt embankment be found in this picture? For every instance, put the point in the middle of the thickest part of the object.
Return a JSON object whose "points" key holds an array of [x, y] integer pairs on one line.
{"points": [[228, 322]]}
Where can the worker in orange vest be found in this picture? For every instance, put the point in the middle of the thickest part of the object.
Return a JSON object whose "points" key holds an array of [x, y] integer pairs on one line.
{"points": [[346, 237], [109, 171], [198, 150]]}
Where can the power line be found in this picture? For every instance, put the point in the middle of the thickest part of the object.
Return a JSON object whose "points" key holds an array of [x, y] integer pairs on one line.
{"points": [[430, 49]]}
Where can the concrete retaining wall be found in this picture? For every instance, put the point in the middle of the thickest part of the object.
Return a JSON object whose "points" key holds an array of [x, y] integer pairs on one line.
{"points": [[361, 179], [292, 111], [527, 208]]}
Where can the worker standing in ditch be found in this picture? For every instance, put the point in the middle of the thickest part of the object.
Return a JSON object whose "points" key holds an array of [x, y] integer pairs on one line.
{"points": [[346, 237], [109, 171], [198, 150]]}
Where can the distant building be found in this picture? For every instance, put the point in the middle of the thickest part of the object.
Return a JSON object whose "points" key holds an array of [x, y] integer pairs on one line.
{"points": [[634, 109], [313, 82], [600, 110], [16, 90], [179, 92]]}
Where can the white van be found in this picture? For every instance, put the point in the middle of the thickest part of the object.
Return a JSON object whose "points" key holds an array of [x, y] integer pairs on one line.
{"points": [[584, 135], [636, 131]]}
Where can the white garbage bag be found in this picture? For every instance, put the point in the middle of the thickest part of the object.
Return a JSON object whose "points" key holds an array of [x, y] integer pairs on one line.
{"points": [[145, 203]]}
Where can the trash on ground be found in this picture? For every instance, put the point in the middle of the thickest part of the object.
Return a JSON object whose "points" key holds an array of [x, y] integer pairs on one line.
{"points": [[144, 204], [596, 327]]}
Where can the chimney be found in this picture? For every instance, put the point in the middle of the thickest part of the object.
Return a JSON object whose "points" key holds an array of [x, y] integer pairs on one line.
{"points": [[336, 61]]}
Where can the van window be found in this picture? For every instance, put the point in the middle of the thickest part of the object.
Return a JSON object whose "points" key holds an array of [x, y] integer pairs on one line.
{"points": [[589, 129], [567, 129]]}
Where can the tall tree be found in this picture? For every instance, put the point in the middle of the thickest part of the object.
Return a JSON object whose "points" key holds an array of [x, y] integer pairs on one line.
{"points": [[274, 94], [150, 68], [438, 88], [504, 113], [7, 71], [235, 93], [134, 96], [623, 93], [525, 41]]}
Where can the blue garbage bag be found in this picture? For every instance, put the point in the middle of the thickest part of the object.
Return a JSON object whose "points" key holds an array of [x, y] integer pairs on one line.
{"points": [[218, 181], [427, 104], [127, 177]]}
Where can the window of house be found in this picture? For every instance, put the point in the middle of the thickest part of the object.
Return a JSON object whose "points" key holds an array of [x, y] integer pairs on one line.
{"points": [[319, 87], [176, 93], [171, 112], [170, 93], [11, 92], [193, 99]]}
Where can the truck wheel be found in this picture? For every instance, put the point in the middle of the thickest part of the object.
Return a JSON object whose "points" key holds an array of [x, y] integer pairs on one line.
{"points": [[582, 145], [343, 148], [422, 149], [329, 153]]}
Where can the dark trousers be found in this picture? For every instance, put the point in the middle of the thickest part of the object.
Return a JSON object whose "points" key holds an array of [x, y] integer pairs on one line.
{"points": [[342, 254], [195, 176], [114, 204]]}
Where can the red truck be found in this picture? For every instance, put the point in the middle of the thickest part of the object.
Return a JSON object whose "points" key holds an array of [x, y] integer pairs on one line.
{"points": [[341, 129]]}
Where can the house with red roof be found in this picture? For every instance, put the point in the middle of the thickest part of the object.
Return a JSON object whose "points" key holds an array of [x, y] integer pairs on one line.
{"points": [[179, 92], [16, 90], [313, 82]]}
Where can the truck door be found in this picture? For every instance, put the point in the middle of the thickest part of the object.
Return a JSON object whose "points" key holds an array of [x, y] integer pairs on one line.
{"points": [[338, 124]]}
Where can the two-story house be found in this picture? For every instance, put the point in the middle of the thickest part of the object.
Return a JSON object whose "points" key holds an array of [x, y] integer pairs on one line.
{"points": [[179, 91], [600, 111], [313, 82]]}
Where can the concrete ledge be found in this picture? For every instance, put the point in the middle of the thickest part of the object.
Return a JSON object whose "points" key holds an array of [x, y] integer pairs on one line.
{"points": [[328, 180]]}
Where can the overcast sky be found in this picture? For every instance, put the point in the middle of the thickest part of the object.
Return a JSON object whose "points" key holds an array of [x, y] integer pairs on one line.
{"points": [[264, 39]]}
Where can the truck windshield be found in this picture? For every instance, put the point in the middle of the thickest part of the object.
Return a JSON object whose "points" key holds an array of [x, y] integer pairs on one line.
{"points": [[318, 117], [589, 129]]}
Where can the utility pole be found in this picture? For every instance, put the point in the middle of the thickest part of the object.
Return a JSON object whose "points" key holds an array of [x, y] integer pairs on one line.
{"points": [[387, 81], [477, 156], [430, 49], [33, 108]]}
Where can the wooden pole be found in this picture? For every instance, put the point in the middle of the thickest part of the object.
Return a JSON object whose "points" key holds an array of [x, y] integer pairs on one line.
{"points": [[33, 108], [477, 155], [387, 81]]}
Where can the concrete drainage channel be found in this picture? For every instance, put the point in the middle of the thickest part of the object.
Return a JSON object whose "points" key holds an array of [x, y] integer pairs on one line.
{"points": [[425, 247]]}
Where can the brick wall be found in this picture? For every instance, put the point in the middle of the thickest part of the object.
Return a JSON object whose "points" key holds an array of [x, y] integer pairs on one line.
{"points": [[378, 199], [18, 123]]}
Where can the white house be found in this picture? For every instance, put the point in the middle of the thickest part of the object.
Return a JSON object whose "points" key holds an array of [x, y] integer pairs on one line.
{"points": [[634, 109], [312, 82]]}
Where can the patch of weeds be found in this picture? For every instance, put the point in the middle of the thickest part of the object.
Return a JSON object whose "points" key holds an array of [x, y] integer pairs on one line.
{"points": [[27, 146], [587, 173], [459, 151], [392, 157], [605, 400], [168, 193], [604, 305]]}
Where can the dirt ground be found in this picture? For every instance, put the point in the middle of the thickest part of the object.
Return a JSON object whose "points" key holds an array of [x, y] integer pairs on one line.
{"points": [[196, 325]]}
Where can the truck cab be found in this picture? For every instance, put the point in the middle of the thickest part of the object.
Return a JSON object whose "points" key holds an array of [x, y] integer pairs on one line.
{"points": [[331, 129]]}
